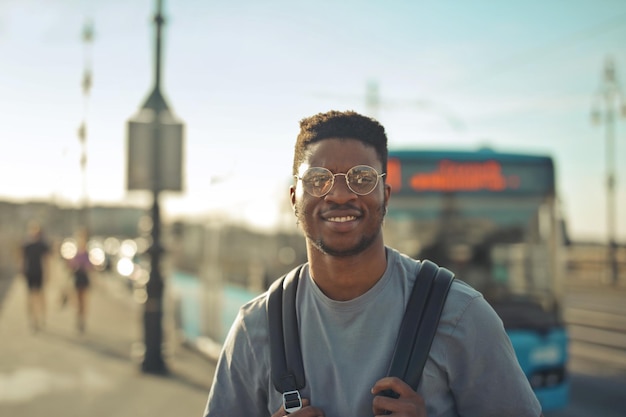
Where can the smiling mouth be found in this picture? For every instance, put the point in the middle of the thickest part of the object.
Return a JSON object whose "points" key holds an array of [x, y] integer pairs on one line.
{"points": [[342, 219]]}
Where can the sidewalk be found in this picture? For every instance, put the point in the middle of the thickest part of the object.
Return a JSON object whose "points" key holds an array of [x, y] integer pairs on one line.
{"points": [[60, 372]]}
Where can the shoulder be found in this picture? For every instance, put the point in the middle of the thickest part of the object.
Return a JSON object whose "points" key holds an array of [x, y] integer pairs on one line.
{"points": [[253, 314], [459, 298], [252, 318], [246, 349], [464, 305], [462, 296], [467, 305], [246, 346]]}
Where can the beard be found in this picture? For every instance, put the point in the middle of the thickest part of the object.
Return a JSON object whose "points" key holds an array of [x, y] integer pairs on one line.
{"points": [[365, 241]]}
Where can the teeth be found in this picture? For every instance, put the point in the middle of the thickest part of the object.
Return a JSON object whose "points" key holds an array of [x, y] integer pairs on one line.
{"points": [[341, 219]]}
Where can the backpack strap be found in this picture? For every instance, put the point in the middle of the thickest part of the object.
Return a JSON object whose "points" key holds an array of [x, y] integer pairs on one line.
{"points": [[417, 331], [420, 322], [285, 353]]}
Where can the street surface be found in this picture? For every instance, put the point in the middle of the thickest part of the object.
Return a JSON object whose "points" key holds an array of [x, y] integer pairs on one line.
{"points": [[59, 372]]}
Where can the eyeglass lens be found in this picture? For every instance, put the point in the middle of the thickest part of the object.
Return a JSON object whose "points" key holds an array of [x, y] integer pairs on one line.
{"points": [[361, 180]]}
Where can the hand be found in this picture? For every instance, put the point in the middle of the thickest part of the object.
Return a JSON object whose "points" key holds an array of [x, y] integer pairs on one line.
{"points": [[408, 402], [306, 411]]}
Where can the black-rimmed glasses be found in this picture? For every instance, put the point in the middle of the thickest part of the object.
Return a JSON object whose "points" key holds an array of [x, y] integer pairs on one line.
{"points": [[318, 181]]}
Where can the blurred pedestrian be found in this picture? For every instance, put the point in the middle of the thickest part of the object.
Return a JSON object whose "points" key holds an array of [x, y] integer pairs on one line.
{"points": [[81, 268], [36, 270]]}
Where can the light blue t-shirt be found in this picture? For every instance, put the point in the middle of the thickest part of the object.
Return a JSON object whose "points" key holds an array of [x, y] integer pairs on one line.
{"points": [[347, 346]]}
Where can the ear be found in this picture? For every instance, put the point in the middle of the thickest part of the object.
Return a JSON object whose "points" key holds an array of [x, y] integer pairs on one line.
{"points": [[387, 195], [292, 196]]}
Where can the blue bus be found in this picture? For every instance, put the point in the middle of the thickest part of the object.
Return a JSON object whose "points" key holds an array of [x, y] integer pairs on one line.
{"points": [[494, 219]]}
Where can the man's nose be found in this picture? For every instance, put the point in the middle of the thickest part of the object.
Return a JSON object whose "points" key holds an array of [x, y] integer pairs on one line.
{"points": [[340, 190]]}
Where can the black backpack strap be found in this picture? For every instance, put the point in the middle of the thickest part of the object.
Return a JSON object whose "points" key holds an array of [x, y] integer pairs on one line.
{"points": [[285, 353], [417, 330], [428, 326], [420, 322]]}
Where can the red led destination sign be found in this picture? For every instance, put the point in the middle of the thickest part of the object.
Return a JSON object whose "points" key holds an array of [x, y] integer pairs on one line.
{"points": [[446, 175]]}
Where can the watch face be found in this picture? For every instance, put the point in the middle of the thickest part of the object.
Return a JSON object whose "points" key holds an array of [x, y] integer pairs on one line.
{"points": [[292, 401]]}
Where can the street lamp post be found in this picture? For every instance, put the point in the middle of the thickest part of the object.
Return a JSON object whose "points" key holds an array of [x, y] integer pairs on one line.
{"points": [[608, 98], [87, 37], [155, 143]]}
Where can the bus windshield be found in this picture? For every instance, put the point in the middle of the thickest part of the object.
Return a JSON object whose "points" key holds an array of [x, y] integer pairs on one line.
{"points": [[490, 218]]}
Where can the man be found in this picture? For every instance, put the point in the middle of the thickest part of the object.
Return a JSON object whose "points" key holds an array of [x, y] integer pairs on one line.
{"points": [[350, 301], [35, 268]]}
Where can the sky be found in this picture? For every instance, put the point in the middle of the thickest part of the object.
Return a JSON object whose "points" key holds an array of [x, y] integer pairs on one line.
{"points": [[518, 76]]}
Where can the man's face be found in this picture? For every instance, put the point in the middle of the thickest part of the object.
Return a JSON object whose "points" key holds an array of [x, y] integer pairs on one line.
{"points": [[341, 223]]}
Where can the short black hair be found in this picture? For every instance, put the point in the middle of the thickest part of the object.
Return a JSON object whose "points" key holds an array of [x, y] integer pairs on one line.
{"points": [[343, 125]]}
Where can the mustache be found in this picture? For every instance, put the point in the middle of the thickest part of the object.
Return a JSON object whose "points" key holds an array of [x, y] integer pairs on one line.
{"points": [[342, 207], [382, 209]]}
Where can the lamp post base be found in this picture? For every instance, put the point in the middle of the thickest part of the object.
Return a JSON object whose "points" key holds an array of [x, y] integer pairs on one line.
{"points": [[153, 362]]}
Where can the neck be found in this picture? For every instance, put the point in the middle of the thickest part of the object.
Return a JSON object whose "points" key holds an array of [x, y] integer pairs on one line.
{"points": [[345, 278]]}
